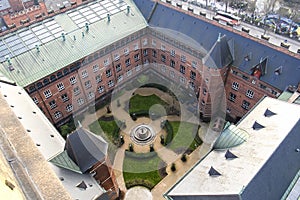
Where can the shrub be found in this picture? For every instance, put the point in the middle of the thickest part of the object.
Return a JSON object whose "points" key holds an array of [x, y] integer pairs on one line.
{"points": [[173, 167], [151, 148], [169, 131], [131, 147], [183, 157]]}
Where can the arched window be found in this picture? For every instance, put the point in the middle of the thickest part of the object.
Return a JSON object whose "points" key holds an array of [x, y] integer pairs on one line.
{"points": [[46, 81]]}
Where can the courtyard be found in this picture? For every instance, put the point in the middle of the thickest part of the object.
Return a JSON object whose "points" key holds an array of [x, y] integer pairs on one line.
{"points": [[156, 158]]}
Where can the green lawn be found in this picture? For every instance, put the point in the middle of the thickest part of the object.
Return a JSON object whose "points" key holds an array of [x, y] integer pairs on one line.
{"points": [[139, 103], [183, 136], [141, 171], [110, 128]]}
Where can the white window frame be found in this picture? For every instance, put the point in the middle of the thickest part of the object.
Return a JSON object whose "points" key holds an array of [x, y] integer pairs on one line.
{"points": [[235, 85], [129, 72], [182, 69], [136, 57], [95, 68], [232, 97], [145, 42], [35, 100], [76, 90], [47, 93], [69, 107], [145, 52], [73, 80], [110, 83], [118, 67], [162, 47], [108, 74], [138, 68], [52, 104], [172, 52], [126, 51], [116, 57], [84, 74], [194, 64], [91, 95], [183, 58], [250, 94], [127, 62], [106, 62], [182, 79], [153, 43], [172, 74], [136, 47], [245, 105], [87, 84], [57, 115], [80, 101], [60, 86], [120, 78], [100, 89], [65, 97], [98, 78]]}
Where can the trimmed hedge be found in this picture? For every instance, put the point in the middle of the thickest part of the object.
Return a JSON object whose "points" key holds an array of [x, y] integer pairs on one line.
{"points": [[139, 156]]}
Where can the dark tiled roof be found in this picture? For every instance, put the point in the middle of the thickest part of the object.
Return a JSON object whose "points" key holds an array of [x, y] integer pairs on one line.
{"points": [[206, 34], [85, 149], [219, 56]]}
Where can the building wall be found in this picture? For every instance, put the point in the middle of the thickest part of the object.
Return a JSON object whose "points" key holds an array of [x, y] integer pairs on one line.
{"points": [[126, 57], [243, 91]]}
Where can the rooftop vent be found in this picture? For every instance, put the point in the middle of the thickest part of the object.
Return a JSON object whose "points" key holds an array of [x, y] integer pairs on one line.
{"points": [[257, 126], [128, 9], [278, 70], [108, 17], [87, 27], [213, 172], [82, 185], [9, 184], [269, 113], [37, 47], [230, 155], [219, 37], [63, 36]]}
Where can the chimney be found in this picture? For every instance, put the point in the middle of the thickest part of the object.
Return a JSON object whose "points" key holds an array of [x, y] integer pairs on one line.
{"points": [[219, 37], [63, 37]]}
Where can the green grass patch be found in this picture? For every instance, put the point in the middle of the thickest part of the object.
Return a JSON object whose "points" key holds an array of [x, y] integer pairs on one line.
{"points": [[141, 169], [185, 136], [108, 127], [139, 103]]}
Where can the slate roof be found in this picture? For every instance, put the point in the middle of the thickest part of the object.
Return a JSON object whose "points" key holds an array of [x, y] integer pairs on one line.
{"points": [[206, 33], [85, 148]]}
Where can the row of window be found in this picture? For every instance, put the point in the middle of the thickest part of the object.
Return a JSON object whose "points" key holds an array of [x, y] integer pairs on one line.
{"points": [[249, 93]]}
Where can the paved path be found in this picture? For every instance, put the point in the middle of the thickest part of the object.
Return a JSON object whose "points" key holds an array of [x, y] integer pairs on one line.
{"points": [[164, 153]]}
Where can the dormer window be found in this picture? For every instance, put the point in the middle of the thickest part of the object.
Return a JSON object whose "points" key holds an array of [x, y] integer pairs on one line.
{"points": [[278, 71]]}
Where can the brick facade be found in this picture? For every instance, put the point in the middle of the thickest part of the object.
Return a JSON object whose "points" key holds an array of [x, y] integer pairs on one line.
{"points": [[98, 74]]}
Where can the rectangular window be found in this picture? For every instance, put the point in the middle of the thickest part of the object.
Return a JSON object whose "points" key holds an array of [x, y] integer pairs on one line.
{"points": [[154, 53], [69, 107], [163, 47], [35, 100], [101, 89], [183, 58], [163, 58], [91, 95], [106, 62], [193, 75], [235, 86], [231, 97], [76, 90], [98, 78], [126, 51], [57, 115], [182, 79], [250, 94], [182, 69], [136, 57], [52, 104], [172, 74], [154, 43], [80, 101], [129, 72], [136, 47], [47, 93], [138, 68], [145, 52], [163, 69], [118, 67], [110, 83], [95, 68], [116, 57], [84, 74], [64, 97], [245, 105], [194, 64], [60, 86], [172, 63], [120, 78], [145, 42], [73, 80], [172, 53], [87, 84], [127, 62], [108, 73]]}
